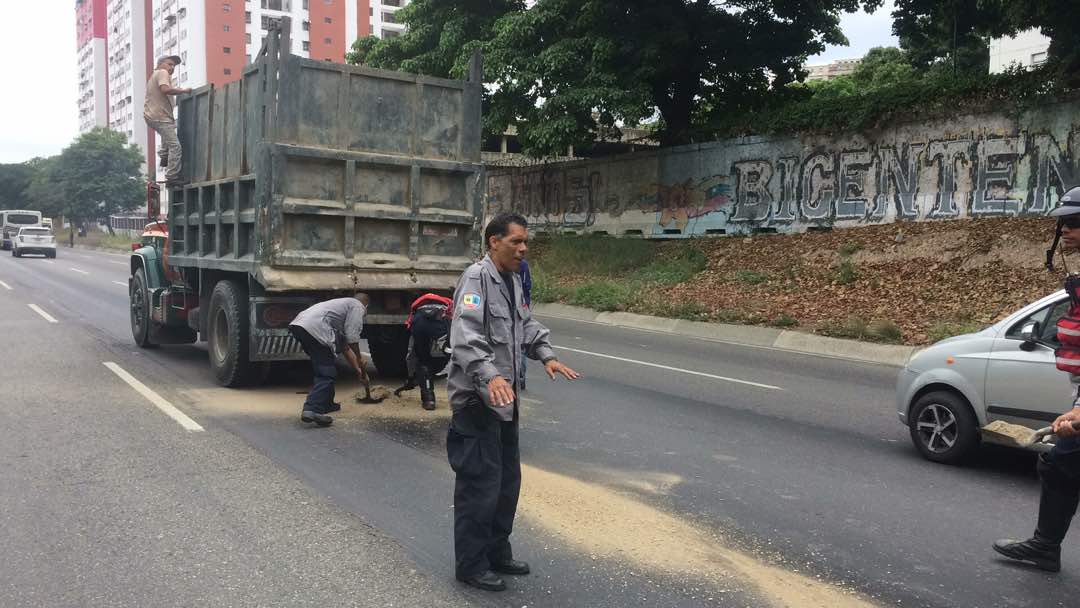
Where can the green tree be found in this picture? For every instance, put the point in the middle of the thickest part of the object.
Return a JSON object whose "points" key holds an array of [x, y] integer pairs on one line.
{"points": [[14, 179], [43, 191], [949, 32], [439, 39], [1059, 20], [570, 69], [98, 175]]}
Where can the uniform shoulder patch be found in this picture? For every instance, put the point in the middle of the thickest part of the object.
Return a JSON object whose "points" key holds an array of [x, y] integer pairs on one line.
{"points": [[470, 301]]}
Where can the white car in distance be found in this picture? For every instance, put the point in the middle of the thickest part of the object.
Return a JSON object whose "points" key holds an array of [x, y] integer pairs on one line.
{"points": [[34, 239]]}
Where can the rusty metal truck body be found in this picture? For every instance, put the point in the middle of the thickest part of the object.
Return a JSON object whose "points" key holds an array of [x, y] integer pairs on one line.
{"points": [[306, 180]]}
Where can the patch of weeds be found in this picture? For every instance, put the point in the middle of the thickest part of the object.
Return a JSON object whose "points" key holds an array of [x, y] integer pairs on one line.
{"points": [[846, 273], [751, 277], [689, 310], [884, 330], [729, 315], [849, 249], [784, 321], [678, 267], [604, 296], [597, 255], [858, 328], [947, 329]]}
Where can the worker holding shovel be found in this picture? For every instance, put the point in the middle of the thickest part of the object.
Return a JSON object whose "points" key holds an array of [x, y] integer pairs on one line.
{"points": [[326, 330], [1059, 469]]}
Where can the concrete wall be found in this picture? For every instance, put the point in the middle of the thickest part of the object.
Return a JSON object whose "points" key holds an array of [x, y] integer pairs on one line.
{"points": [[984, 165]]}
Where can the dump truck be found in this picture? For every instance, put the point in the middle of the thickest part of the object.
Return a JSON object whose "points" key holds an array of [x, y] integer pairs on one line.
{"points": [[306, 180]]}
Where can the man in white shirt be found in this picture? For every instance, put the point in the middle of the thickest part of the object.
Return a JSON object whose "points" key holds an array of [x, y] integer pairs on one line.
{"points": [[158, 113]]}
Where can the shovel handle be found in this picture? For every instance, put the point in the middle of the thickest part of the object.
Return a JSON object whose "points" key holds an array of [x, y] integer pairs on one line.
{"points": [[1049, 430]]}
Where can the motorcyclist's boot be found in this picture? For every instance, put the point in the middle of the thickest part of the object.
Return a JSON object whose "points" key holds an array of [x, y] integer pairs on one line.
{"points": [[427, 387]]}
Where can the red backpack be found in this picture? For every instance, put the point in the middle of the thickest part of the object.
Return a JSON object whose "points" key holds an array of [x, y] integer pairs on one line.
{"points": [[1068, 331]]}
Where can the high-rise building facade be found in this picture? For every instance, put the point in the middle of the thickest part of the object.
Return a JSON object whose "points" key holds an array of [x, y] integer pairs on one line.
{"points": [[90, 28], [1027, 50], [129, 63], [214, 39]]}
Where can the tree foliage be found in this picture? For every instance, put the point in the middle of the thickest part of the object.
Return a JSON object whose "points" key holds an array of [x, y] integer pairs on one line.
{"points": [[567, 71], [440, 37], [14, 179], [98, 175]]}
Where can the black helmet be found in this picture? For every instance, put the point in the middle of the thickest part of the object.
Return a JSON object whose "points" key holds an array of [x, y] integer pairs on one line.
{"points": [[1068, 205]]}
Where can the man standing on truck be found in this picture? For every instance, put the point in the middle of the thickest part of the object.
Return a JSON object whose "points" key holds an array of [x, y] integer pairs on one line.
{"points": [[158, 113], [325, 331], [491, 325]]}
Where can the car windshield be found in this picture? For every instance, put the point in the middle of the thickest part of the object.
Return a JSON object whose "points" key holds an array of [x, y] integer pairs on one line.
{"points": [[35, 231], [21, 218]]}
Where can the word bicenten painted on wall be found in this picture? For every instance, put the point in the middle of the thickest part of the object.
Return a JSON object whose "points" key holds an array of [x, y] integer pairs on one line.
{"points": [[973, 166]]}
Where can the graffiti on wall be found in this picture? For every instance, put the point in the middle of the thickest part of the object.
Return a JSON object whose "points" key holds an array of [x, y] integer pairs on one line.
{"points": [[791, 184]]}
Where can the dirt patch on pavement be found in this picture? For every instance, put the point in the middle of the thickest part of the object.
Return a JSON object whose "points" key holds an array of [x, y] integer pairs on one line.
{"points": [[607, 524]]}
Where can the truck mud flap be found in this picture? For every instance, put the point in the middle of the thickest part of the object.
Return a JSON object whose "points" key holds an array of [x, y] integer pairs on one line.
{"points": [[270, 337]]}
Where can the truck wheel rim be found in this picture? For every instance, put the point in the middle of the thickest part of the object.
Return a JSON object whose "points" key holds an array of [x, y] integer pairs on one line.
{"points": [[937, 428], [137, 308], [220, 340]]}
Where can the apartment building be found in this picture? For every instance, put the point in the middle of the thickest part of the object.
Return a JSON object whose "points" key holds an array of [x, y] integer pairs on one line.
{"points": [[829, 71], [129, 62], [90, 28], [1027, 49]]}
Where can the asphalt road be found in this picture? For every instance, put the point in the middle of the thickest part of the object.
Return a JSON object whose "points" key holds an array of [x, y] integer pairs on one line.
{"points": [[678, 472]]}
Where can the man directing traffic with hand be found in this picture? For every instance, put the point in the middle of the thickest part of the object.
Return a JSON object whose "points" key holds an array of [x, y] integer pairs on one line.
{"points": [[492, 328]]}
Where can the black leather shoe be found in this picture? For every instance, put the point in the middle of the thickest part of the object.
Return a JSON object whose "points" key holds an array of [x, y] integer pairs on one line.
{"points": [[511, 566], [334, 407], [486, 580], [428, 405], [1031, 551], [317, 418]]}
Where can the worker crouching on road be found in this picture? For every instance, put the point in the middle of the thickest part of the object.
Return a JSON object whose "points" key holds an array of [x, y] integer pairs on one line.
{"points": [[491, 325], [429, 345], [1059, 469], [326, 330]]}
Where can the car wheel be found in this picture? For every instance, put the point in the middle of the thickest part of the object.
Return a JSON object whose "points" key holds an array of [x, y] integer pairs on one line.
{"points": [[943, 427]]}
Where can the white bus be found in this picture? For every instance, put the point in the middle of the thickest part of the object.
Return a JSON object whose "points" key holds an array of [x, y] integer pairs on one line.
{"points": [[13, 219]]}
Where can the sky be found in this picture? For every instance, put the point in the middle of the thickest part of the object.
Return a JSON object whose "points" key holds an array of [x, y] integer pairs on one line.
{"points": [[38, 115]]}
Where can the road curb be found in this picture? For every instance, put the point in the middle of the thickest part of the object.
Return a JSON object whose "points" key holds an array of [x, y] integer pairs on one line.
{"points": [[792, 341]]}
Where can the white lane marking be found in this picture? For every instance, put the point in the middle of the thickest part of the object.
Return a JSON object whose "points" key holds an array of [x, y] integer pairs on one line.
{"points": [[79, 271], [85, 257], [47, 316], [49, 261], [159, 401], [671, 369], [120, 283], [527, 400], [5, 285], [120, 263]]}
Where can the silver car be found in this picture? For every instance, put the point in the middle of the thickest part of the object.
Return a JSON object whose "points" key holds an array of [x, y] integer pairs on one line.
{"points": [[948, 391]]}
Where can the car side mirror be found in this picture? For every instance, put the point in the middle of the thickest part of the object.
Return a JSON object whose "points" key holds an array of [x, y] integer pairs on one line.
{"points": [[1029, 333]]}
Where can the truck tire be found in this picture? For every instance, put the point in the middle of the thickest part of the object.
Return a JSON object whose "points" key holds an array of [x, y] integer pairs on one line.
{"points": [[389, 345], [139, 305], [227, 343]]}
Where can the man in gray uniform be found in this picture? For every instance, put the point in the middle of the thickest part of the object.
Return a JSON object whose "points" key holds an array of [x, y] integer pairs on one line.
{"points": [[327, 330], [492, 329]]}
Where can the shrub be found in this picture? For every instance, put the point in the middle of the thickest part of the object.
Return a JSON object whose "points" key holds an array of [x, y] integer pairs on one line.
{"points": [[604, 296], [846, 273], [751, 277]]}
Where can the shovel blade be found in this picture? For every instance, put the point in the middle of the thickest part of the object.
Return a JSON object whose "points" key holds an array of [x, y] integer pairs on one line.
{"points": [[1015, 435]]}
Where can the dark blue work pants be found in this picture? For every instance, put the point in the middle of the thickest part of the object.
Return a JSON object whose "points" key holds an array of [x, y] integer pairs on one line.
{"points": [[323, 367]]}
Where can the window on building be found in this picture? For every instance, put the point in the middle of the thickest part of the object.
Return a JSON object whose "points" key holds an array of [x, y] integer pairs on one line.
{"points": [[328, 2], [306, 45], [390, 34], [247, 38], [225, 28], [247, 16], [275, 5], [226, 50], [371, 30], [265, 22], [183, 57], [1038, 58], [388, 18], [328, 20], [370, 12], [226, 7], [228, 72], [305, 5], [396, 3], [327, 41], [306, 26]]}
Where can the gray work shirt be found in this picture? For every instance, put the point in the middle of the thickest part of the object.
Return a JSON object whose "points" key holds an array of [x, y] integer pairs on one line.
{"points": [[490, 328], [334, 323]]}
